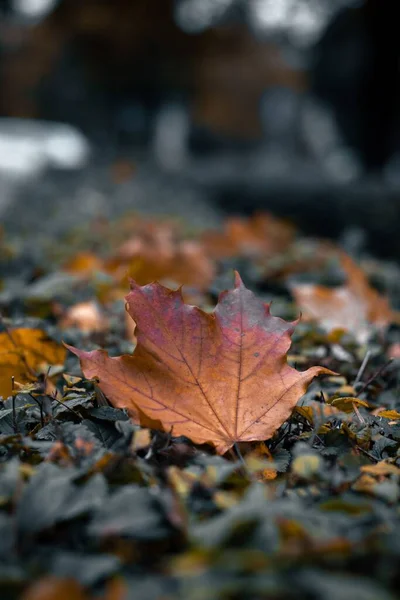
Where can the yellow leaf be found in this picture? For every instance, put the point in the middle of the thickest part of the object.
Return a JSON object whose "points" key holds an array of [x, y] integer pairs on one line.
{"points": [[141, 439], [347, 404], [382, 468], [393, 415], [24, 352], [306, 466]]}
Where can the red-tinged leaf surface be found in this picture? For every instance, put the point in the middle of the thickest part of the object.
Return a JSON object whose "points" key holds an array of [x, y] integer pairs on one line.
{"points": [[219, 378]]}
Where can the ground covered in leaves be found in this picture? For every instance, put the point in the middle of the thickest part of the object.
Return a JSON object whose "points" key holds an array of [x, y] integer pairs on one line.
{"points": [[94, 504]]}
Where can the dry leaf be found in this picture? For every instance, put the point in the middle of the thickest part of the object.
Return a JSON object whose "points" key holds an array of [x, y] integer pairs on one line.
{"points": [[141, 439], [393, 351], [55, 588], [352, 307], [381, 469], [348, 403], [317, 412], [86, 316], [23, 352], [392, 415], [157, 253], [155, 250], [84, 264], [219, 378], [260, 235], [62, 588]]}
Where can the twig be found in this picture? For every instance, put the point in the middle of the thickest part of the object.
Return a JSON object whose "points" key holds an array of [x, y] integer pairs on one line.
{"points": [[40, 404], [66, 406], [285, 432], [362, 368], [375, 376], [359, 415], [243, 462], [14, 412], [367, 454]]}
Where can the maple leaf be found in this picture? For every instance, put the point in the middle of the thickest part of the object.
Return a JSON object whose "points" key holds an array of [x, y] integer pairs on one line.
{"points": [[352, 307], [216, 378], [157, 252], [260, 235], [22, 352]]}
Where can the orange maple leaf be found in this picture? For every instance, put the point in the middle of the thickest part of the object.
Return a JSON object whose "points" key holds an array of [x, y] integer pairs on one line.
{"points": [[155, 250], [259, 235], [352, 307], [219, 378]]}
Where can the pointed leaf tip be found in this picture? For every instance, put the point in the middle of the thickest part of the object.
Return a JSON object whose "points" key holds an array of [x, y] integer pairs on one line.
{"points": [[132, 284], [238, 280]]}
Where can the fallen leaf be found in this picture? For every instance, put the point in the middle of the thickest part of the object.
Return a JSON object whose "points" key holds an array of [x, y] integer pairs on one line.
{"points": [[116, 589], [317, 411], [84, 264], [381, 469], [348, 403], [393, 351], [24, 352], [154, 250], [260, 235], [62, 588], [216, 378], [307, 466], [353, 307], [55, 588], [260, 464], [393, 415], [157, 253], [85, 316], [141, 439]]}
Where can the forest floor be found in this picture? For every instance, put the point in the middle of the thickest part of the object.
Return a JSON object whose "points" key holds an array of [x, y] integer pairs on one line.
{"points": [[95, 505]]}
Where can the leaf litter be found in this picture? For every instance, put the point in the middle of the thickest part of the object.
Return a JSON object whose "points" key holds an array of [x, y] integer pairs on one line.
{"points": [[180, 464]]}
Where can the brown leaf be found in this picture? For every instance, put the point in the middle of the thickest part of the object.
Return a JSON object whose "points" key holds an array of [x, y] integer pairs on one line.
{"points": [[381, 468], [260, 235], [55, 588], [156, 253], [219, 378], [84, 264], [352, 307], [86, 316], [153, 251], [22, 353], [62, 588]]}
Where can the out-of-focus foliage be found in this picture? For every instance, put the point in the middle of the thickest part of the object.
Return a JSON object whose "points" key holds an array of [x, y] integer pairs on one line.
{"points": [[93, 505]]}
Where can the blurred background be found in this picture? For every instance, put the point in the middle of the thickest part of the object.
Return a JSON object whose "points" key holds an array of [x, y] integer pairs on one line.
{"points": [[200, 107]]}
